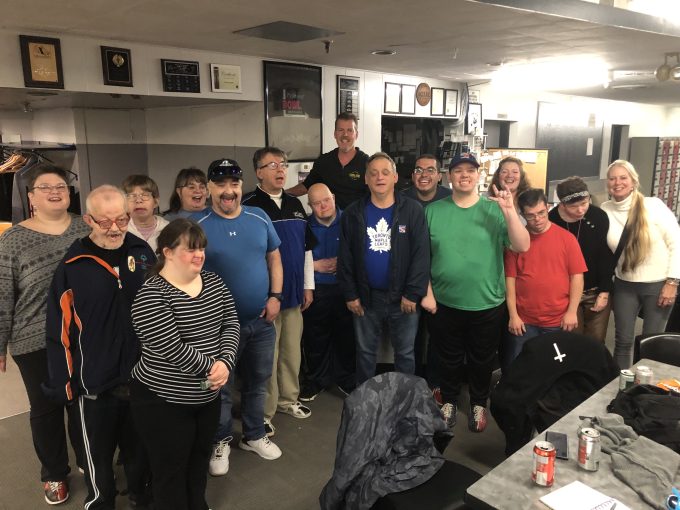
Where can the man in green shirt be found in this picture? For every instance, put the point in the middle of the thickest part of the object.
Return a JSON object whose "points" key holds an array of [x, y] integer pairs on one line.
{"points": [[468, 234]]}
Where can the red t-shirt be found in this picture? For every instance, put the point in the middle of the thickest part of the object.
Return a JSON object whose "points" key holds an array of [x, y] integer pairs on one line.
{"points": [[542, 275]]}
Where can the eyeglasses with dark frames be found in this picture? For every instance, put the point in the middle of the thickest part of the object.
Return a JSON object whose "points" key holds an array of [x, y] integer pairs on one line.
{"points": [[430, 170], [274, 166]]}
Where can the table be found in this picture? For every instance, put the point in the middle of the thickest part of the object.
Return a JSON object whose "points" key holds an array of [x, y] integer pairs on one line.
{"points": [[509, 485]]}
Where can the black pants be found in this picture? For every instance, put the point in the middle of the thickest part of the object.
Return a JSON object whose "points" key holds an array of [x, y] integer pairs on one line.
{"points": [[328, 340], [178, 439], [47, 420], [462, 335], [107, 423]]}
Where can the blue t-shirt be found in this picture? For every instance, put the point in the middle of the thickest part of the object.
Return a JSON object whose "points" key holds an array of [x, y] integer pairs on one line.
{"points": [[328, 240], [236, 251], [378, 248]]}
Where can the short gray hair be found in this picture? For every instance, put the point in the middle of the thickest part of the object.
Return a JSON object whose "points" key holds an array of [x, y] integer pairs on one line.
{"points": [[382, 155], [107, 193]]}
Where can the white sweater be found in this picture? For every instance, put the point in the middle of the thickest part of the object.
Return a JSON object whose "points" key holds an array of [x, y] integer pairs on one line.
{"points": [[663, 260]]}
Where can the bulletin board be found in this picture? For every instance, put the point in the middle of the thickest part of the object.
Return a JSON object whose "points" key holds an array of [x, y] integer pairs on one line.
{"points": [[535, 164]]}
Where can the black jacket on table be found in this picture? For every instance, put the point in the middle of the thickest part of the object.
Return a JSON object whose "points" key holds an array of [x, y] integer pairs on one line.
{"points": [[91, 345], [410, 251]]}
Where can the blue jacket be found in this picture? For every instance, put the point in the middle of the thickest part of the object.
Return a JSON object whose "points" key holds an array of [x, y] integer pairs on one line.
{"points": [[91, 345], [328, 240], [410, 257]]}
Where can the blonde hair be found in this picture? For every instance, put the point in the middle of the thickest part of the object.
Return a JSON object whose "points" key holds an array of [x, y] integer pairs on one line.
{"points": [[638, 244]]}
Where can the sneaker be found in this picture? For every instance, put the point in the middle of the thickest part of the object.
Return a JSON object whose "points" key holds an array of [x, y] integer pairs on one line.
{"points": [[263, 447], [309, 393], [449, 411], [219, 460], [437, 394], [56, 492], [477, 418], [269, 428], [297, 410]]}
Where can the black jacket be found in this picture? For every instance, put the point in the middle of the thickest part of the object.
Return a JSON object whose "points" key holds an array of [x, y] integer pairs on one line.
{"points": [[386, 442], [540, 386], [410, 252], [91, 345]]}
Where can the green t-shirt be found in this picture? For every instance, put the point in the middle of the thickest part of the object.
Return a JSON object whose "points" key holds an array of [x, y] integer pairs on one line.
{"points": [[467, 253]]}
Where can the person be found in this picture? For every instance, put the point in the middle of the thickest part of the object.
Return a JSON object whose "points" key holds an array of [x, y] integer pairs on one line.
{"points": [[383, 267], [142, 195], [290, 221], [590, 225], [328, 334], [510, 176], [186, 321], [647, 256], [426, 180], [190, 194], [341, 169], [241, 236], [92, 347], [29, 254], [468, 234], [544, 284]]}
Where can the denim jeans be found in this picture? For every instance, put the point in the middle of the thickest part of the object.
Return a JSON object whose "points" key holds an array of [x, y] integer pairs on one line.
{"points": [[378, 313], [515, 343], [254, 362]]}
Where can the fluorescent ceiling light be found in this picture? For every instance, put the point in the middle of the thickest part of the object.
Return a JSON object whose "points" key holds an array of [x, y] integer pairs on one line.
{"points": [[557, 74], [666, 9]]}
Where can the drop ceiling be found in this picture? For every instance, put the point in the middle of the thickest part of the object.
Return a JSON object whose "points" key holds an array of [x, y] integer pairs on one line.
{"points": [[449, 39]]}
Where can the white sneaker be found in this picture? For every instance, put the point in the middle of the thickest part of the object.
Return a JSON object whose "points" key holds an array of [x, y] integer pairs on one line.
{"points": [[263, 447], [219, 460], [297, 410]]}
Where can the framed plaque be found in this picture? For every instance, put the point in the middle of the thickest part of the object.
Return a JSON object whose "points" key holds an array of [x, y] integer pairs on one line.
{"points": [[117, 66], [408, 99], [348, 95], [41, 62], [437, 103], [180, 76], [474, 122], [225, 78], [293, 121], [450, 103], [392, 98]]}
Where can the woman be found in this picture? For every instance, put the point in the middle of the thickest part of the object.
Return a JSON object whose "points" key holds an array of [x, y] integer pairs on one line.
{"points": [[648, 267], [142, 200], [191, 192], [510, 176], [29, 254], [186, 321]]}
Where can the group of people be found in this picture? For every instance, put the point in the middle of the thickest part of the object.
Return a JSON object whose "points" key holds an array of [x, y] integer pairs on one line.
{"points": [[139, 324]]}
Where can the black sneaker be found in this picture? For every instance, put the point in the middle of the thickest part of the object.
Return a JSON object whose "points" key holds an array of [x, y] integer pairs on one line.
{"points": [[309, 393]]}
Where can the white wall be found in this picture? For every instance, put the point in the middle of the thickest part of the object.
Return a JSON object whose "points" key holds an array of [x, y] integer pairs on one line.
{"points": [[16, 123]]}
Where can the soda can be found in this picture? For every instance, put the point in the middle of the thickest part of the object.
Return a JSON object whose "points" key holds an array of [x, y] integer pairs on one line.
{"points": [[626, 379], [589, 449], [643, 375], [543, 470]]}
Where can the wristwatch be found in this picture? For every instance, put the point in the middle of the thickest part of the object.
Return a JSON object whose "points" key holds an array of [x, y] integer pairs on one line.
{"points": [[277, 295], [673, 281]]}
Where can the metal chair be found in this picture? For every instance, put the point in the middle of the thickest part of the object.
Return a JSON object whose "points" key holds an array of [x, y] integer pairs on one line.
{"points": [[662, 347]]}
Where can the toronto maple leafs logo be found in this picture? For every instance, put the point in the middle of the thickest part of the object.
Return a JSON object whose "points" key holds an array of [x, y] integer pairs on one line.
{"points": [[379, 236]]}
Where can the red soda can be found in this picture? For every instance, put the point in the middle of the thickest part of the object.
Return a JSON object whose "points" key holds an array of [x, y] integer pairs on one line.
{"points": [[543, 471]]}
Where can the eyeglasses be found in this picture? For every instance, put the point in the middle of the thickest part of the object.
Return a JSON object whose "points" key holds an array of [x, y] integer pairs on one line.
{"points": [[323, 201], [46, 188], [106, 223], [534, 217], [274, 166], [193, 187], [430, 170], [144, 197]]}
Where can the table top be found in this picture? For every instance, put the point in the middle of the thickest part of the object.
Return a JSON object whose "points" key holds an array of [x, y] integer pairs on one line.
{"points": [[509, 485]]}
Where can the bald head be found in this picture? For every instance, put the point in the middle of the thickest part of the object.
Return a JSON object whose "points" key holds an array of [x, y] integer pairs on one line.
{"points": [[322, 202], [103, 197]]}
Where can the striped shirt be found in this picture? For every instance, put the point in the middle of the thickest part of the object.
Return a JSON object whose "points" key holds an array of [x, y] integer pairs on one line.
{"points": [[182, 336]]}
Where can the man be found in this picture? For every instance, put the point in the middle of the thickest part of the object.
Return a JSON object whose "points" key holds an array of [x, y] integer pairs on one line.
{"points": [[590, 225], [426, 178], [290, 221], [328, 336], [544, 284], [241, 237], [341, 169], [468, 234], [383, 267], [92, 347]]}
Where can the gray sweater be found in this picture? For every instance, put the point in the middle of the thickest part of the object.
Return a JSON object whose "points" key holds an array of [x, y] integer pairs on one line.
{"points": [[28, 260]]}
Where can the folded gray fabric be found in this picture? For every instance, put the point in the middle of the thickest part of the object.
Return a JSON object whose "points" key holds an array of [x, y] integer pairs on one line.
{"points": [[647, 467]]}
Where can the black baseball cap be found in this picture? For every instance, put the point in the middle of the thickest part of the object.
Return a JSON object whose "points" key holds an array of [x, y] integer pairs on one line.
{"points": [[224, 168]]}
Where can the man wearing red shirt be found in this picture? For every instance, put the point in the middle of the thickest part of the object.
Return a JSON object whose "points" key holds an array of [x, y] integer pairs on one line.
{"points": [[544, 284]]}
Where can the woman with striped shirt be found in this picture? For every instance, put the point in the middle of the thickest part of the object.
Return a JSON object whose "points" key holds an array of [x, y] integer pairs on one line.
{"points": [[186, 321]]}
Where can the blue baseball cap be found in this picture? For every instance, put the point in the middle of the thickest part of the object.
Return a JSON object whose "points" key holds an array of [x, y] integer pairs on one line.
{"points": [[465, 157]]}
